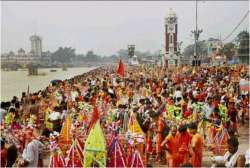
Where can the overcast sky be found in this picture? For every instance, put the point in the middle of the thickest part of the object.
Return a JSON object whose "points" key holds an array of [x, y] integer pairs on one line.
{"points": [[105, 27]]}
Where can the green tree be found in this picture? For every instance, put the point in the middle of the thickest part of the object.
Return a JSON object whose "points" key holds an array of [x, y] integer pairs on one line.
{"points": [[201, 49], [243, 41], [90, 56], [123, 53], [189, 51], [63, 55], [229, 50]]}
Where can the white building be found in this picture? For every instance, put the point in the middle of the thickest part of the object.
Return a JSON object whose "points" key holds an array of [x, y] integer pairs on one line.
{"points": [[214, 47], [34, 56], [171, 46], [36, 45], [133, 60]]}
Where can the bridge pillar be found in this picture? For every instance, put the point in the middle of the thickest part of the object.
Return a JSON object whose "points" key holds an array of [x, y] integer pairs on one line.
{"points": [[33, 70]]}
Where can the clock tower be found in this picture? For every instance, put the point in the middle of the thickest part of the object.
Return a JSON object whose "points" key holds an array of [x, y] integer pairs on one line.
{"points": [[170, 57]]}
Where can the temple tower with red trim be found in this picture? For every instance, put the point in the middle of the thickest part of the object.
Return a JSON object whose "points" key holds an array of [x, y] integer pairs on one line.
{"points": [[170, 57]]}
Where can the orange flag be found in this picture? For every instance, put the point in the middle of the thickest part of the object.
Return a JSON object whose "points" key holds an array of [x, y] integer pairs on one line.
{"points": [[121, 69]]}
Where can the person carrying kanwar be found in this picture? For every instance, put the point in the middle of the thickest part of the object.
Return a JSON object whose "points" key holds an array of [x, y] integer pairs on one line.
{"points": [[197, 144], [245, 108], [159, 136], [233, 114], [184, 142], [171, 142]]}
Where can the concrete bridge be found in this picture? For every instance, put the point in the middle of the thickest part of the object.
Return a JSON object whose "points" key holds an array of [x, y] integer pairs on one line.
{"points": [[10, 66]]}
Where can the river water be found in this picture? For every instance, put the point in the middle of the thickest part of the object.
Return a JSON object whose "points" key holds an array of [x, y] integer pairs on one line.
{"points": [[13, 83]]}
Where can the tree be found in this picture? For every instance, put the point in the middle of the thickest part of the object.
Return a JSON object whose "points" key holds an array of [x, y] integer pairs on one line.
{"points": [[90, 56], [79, 58], [243, 41], [189, 51], [229, 50], [122, 53], [201, 49], [63, 55]]}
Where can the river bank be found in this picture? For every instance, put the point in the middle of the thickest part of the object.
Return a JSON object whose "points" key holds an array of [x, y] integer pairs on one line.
{"points": [[13, 83]]}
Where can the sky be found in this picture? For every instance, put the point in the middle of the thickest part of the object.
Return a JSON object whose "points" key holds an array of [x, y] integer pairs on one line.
{"points": [[107, 26]]}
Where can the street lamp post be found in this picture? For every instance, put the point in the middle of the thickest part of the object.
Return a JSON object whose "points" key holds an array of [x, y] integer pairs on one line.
{"points": [[196, 33], [179, 51], [159, 57]]}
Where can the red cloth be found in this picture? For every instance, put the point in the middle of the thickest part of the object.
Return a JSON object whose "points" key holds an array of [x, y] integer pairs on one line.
{"points": [[200, 85], [95, 116], [136, 160], [81, 98], [121, 69], [160, 128], [172, 146], [3, 154], [216, 103], [197, 143], [201, 96], [184, 141], [93, 100], [149, 147], [116, 154], [56, 161], [187, 113], [75, 155]]}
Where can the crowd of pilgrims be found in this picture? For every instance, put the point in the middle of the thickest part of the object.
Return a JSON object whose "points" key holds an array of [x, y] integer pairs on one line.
{"points": [[181, 111]]}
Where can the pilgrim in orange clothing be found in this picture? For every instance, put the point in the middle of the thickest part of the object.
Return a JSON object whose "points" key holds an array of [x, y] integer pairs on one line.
{"points": [[172, 148], [184, 142], [149, 138], [159, 136], [197, 144], [245, 103]]}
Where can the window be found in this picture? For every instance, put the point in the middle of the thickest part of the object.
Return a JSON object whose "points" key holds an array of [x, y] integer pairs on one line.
{"points": [[171, 39]]}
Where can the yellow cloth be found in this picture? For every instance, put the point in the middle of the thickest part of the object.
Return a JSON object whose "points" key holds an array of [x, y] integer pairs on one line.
{"points": [[134, 126], [65, 138], [46, 122], [65, 133]]}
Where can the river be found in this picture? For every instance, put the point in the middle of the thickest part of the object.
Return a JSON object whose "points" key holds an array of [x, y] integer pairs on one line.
{"points": [[13, 83]]}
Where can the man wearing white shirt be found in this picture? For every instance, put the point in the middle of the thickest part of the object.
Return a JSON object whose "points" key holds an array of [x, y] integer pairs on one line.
{"points": [[31, 151], [93, 82], [55, 117], [247, 157], [232, 157], [208, 108], [178, 95]]}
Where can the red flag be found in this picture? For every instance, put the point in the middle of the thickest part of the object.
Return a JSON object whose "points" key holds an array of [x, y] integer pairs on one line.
{"points": [[95, 117], [121, 69]]}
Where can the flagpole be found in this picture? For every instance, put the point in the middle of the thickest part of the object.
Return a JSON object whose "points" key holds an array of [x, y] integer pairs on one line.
{"points": [[115, 154], [67, 134], [26, 103]]}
